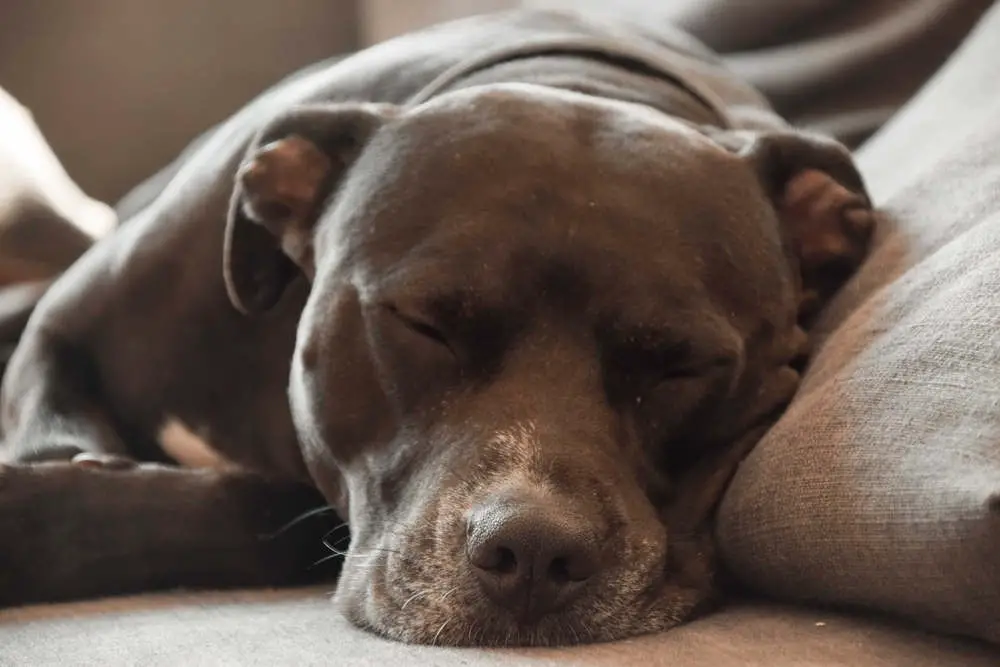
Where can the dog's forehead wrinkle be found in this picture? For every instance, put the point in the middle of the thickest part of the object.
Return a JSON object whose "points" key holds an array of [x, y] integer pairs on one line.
{"points": [[467, 240], [571, 121], [521, 98], [493, 102]]}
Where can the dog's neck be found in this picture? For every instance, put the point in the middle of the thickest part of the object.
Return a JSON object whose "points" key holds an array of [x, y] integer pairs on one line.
{"points": [[589, 71]]}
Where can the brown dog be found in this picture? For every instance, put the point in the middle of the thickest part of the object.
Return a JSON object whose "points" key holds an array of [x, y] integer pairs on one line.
{"points": [[515, 294]]}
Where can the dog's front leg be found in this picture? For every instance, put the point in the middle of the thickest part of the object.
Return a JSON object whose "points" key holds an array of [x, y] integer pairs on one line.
{"points": [[81, 517], [69, 531], [51, 402]]}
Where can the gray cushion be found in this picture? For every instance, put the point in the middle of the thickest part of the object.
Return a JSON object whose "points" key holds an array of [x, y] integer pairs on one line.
{"points": [[299, 628], [881, 485]]}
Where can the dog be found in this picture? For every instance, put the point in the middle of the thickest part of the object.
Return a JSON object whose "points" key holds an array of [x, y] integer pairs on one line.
{"points": [[510, 298]]}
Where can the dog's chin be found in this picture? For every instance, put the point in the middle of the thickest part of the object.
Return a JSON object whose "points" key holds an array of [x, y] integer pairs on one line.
{"points": [[463, 618], [408, 577], [557, 630]]}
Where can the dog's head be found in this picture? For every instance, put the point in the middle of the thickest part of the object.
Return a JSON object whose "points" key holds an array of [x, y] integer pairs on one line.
{"points": [[542, 331]]}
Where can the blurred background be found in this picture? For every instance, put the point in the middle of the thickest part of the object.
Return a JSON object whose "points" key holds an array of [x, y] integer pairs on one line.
{"points": [[119, 87]]}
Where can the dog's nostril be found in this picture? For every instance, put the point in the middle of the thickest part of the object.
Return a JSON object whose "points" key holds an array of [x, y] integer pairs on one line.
{"points": [[506, 561], [559, 571], [573, 569], [498, 560]]}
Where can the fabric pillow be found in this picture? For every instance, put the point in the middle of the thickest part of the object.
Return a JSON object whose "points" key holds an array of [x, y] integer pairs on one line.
{"points": [[880, 487]]}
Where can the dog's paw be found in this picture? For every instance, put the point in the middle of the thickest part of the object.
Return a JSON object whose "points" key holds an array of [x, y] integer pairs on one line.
{"points": [[5, 476], [103, 461], [47, 512], [18, 533], [81, 529]]}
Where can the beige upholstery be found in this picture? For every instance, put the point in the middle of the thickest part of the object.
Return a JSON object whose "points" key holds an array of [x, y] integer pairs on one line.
{"points": [[299, 629]]}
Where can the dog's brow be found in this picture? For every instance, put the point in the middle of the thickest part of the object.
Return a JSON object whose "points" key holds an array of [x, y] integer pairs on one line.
{"points": [[459, 308]]}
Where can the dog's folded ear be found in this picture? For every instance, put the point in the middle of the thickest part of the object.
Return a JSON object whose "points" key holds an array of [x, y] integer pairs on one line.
{"points": [[821, 200], [290, 172]]}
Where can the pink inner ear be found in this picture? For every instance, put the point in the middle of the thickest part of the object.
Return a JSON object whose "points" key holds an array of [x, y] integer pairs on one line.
{"points": [[283, 180], [830, 227]]}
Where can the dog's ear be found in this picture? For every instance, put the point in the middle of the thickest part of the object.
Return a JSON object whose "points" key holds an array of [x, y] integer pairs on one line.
{"points": [[282, 186], [821, 200]]}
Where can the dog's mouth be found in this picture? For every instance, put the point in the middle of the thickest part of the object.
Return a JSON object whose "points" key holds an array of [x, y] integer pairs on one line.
{"points": [[520, 567]]}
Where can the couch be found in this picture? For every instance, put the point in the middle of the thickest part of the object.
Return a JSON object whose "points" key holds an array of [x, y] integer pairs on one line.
{"points": [[864, 529]]}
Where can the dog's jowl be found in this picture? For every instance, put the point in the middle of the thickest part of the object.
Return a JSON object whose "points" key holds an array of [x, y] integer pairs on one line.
{"points": [[512, 297]]}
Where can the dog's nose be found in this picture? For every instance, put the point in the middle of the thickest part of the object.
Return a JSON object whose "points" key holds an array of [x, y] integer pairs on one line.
{"points": [[531, 557]]}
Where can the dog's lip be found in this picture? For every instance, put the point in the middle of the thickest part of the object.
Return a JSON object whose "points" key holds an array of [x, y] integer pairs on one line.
{"points": [[471, 627], [466, 623], [551, 630]]}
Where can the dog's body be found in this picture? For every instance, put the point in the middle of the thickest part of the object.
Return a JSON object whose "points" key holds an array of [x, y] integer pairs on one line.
{"points": [[532, 272]]}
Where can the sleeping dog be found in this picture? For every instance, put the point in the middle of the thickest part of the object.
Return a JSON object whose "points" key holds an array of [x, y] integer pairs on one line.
{"points": [[511, 297]]}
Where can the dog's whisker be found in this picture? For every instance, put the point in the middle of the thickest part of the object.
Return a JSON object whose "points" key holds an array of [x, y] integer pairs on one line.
{"points": [[440, 630], [418, 594], [365, 566], [337, 553], [324, 559], [447, 593], [316, 511], [362, 554], [339, 526], [384, 550], [335, 545], [363, 559]]}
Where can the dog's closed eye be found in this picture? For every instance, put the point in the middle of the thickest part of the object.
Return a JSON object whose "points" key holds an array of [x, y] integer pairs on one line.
{"points": [[417, 360], [419, 325]]}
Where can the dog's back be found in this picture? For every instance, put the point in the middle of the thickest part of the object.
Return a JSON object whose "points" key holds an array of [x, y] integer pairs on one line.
{"points": [[160, 272]]}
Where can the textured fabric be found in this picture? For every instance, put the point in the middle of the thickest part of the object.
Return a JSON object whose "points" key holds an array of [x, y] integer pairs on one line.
{"points": [[880, 487], [299, 628]]}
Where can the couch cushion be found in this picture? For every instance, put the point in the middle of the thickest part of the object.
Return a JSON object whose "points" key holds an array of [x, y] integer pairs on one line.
{"points": [[880, 487], [300, 628]]}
